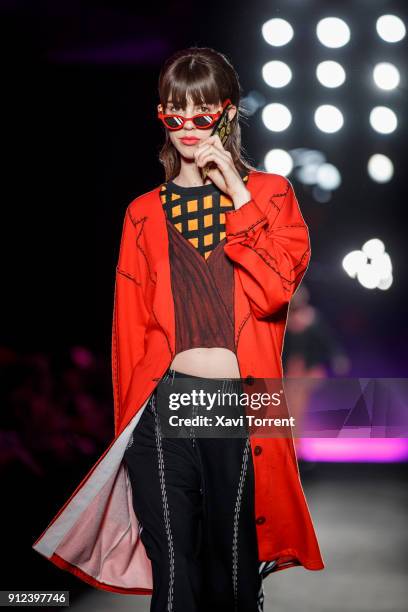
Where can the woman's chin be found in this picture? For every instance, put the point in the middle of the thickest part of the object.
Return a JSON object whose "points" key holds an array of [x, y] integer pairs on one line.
{"points": [[186, 156]]}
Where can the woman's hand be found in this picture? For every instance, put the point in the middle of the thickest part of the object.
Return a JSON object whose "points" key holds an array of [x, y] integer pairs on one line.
{"points": [[225, 176]]}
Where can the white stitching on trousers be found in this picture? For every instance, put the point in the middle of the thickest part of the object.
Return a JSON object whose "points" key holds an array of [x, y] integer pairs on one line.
{"points": [[236, 520], [165, 507]]}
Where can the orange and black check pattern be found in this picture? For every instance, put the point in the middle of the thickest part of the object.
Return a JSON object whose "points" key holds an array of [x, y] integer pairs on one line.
{"points": [[197, 213]]}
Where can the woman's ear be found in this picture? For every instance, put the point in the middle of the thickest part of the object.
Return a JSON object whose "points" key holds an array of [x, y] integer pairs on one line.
{"points": [[232, 112], [160, 108]]}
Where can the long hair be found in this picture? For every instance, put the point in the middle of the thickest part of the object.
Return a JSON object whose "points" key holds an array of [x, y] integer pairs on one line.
{"points": [[207, 77]]}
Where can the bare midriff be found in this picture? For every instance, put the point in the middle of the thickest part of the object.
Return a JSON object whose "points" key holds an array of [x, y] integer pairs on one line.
{"points": [[214, 362]]}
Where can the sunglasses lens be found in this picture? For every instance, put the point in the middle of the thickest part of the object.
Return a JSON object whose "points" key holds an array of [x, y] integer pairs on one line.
{"points": [[173, 123], [203, 122]]}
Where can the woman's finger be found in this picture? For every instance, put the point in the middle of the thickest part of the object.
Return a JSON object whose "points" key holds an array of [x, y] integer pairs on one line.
{"points": [[217, 142], [210, 147], [201, 148], [214, 156]]}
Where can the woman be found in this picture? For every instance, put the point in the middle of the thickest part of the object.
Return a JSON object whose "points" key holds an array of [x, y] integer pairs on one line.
{"points": [[205, 275]]}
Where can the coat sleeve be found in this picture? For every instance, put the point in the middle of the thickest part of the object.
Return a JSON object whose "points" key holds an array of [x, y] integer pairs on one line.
{"points": [[271, 248], [130, 314]]}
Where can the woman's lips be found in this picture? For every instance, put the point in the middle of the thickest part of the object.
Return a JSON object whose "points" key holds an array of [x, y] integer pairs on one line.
{"points": [[189, 141]]}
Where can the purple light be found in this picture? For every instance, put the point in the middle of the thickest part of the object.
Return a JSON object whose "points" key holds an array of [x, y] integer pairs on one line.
{"points": [[354, 450]]}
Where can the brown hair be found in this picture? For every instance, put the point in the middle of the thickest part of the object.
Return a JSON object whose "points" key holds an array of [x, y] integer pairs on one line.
{"points": [[207, 77]]}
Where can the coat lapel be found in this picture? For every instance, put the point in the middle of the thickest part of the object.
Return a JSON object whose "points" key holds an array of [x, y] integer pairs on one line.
{"points": [[163, 304]]}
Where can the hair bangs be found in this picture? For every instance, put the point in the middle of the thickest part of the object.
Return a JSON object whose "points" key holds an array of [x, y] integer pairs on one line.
{"points": [[192, 81]]}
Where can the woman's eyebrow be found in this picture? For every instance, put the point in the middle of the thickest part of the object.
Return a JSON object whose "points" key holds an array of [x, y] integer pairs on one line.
{"points": [[195, 106]]}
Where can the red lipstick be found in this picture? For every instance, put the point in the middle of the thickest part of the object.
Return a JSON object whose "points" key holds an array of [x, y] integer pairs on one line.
{"points": [[189, 141]]}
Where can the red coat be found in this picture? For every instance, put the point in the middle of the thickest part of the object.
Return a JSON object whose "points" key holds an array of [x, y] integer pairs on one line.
{"points": [[95, 535]]}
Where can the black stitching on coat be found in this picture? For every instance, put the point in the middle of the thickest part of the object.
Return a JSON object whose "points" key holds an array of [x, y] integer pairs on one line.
{"points": [[267, 256], [162, 328], [241, 327], [135, 223], [127, 275], [281, 195], [247, 228]]}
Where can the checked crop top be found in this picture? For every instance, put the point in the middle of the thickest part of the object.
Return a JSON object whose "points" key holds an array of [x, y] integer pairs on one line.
{"points": [[202, 275]]}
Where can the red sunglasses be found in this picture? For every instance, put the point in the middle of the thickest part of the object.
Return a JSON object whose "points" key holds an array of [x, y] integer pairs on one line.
{"points": [[203, 121]]}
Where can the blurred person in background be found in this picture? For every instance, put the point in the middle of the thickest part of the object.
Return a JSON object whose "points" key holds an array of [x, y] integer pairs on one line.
{"points": [[311, 352]]}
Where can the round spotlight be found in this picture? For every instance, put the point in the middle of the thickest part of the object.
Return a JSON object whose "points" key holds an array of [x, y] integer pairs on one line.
{"points": [[302, 156], [328, 177], [368, 276], [321, 195], [386, 76], [278, 161], [333, 32], [276, 74], [252, 102], [330, 74], [383, 120], [276, 117], [371, 266], [373, 248], [352, 262], [384, 265], [380, 168], [390, 28], [385, 283], [277, 32], [328, 118], [307, 173]]}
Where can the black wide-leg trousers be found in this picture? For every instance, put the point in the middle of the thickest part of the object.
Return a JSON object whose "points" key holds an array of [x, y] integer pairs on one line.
{"points": [[194, 499]]}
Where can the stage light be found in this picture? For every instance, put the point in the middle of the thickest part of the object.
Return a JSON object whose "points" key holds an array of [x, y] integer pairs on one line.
{"points": [[252, 102], [321, 195], [276, 74], [384, 266], [352, 262], [373, 248], [278, 161], [385, 283], [276, 117], [383, 120], [380, 168], [330, 74], [307, 174], [371, 266], [277, 32], [302, 156], [333, 32], [390, 28], [328, 118], [386, 76], [328, 177], [368, 276], [354, 450]]}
